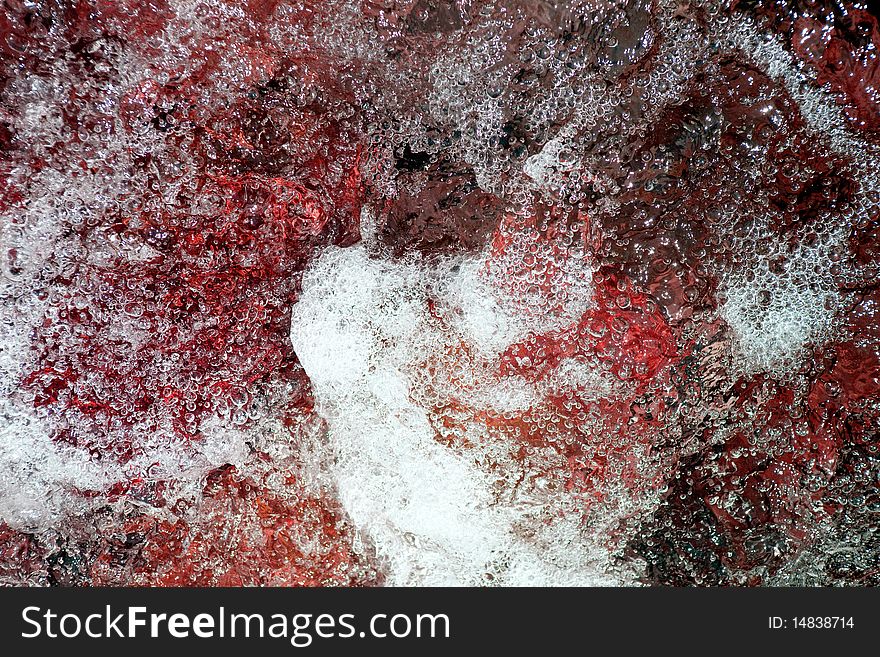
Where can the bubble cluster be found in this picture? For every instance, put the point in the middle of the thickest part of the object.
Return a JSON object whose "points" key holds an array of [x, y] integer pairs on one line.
{"points": [[431, 292]]}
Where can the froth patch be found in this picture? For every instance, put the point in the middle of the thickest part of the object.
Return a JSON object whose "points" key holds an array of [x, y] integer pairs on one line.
{"points": [[40, 481], [776, 314], [431, 510]]}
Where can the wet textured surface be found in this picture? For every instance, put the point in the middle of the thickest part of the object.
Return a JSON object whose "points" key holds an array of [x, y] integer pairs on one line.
{"points": [[439, 292]]}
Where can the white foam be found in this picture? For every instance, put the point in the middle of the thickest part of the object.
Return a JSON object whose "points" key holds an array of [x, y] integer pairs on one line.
{"points": [[775, 315], [41, 481], [430, 510]]}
